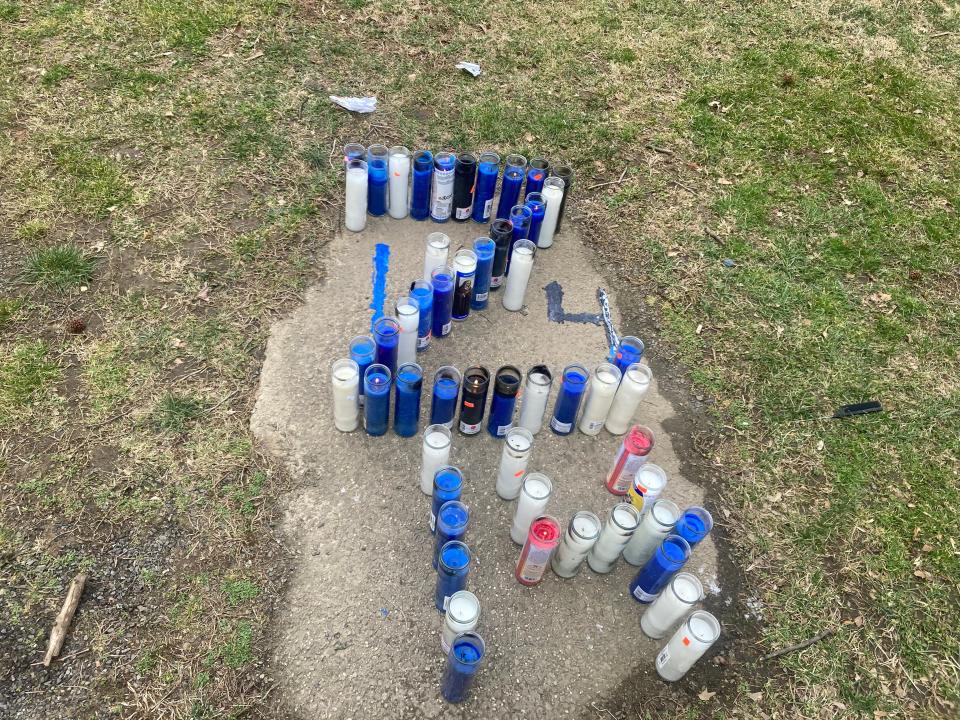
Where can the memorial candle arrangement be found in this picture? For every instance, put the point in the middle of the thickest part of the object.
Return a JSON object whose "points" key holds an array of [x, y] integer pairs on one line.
{"points": [[463, 663], [603, 387], [633, 386], [533, 404], [676, 600], [542, 538], [582, 533], [462, 616], [534, 496], [631, 455], [621, 524], [434, 454], [517, 447], [345, 381], [688, 644]]}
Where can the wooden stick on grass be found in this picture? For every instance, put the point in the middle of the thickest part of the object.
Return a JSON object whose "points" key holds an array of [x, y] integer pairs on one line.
{"points": [[60, 626]]}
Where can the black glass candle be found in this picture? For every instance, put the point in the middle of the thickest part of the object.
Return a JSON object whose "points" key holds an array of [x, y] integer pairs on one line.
{"points": [[564, 172], [501, 231], [473, 399], [464, 179]]}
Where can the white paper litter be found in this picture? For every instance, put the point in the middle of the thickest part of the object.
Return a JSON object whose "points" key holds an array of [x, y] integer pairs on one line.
{"points": [[356, 104], [470, 67]]}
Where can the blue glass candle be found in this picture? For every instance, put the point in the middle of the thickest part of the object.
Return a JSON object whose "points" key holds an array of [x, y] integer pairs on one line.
{"points": [[520, 217], [463, 662], [452, 519], [694, 524], [377, 179], [506, 385], [513, 173], [628, 352], [386, 333], [443, 280], [421, 290], [409, 382], [653, 577], [353, 151], [446, 390], [488, 171], [501, 232], [376, 409], [422, 184], [485, 249], [536, 175], [441, 199], [363, 351], [538, 208], [447, 486], [572, 388], [453, 564]]}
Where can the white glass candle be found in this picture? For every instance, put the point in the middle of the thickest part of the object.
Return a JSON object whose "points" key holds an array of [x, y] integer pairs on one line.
{"points": [[623, 520], [521, 265], [517, 447], [438, 248], [533, 400], [553, 197], [603, 386], [688, 644], [633, 386], [355, 200], [434, 455], [345, 380], [582, 533], [675, 601], [399, 181], [534, 495], [408, 315], [647, 486], [657, 523], [463, 614]]}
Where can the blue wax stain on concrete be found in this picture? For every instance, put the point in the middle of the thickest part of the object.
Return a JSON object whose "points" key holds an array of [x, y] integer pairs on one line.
{"points": [[555, 312], [381, 265]]}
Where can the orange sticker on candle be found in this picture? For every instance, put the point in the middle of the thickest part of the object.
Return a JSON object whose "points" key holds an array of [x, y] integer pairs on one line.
{"points": [[396, 174], [467, 403], [518, 473], [686, 640]]}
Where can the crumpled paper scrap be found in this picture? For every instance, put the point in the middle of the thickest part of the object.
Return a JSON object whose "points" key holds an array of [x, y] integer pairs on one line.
{"points": [[470, 67], [356, 104]]}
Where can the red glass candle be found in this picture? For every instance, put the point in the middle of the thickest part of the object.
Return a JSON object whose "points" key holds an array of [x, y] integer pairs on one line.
{"points": [[632, 454], [543, 538]]}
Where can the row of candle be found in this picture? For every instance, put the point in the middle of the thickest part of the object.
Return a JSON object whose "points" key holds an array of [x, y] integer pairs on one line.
{"points": [[449, 186]]}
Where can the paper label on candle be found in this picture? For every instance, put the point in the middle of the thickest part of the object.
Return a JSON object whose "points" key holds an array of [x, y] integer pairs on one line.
{"points": [[423, 342], [496, 281], [446, 602], [643, 596], [447, 328], [663, 658], [362, 399], [433, 521], [594, 425], [442, 194], [463, 213], [535, 564], [503, 429], [561, 427], [468, 429], [487, 207], [480, 297]]}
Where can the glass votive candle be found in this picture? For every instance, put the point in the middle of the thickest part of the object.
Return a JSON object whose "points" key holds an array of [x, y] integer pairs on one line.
{"points": [[446, 391], [647, 486], [542, 538], [447, 486], [462, 616], [621, 523], [572, 388], [628, 352], [463, 662], [434, 454], [633, 386], [376, 409], [386, 333], [517, 448], [452, 520], [688, 644], [408, 384], [632, 454], [658, 522], [345, 381], [672, 554], [582, 533], [694, 524], [453, 566], [679, 597], [534, 496], [533, 401], [603, 387]]}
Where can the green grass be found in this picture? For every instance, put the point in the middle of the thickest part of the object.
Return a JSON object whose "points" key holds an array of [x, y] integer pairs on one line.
{"points": [[27, 373], [59, 268], [9, 11], [54, 75], [94, 185], [175, 413], [239, 591]]}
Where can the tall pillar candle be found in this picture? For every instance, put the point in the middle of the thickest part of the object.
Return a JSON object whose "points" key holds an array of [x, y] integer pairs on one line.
{"points": [[441, 199], [515, 167], [462, 616], [519, 277], [363, 351], [565, 173], [621, 524], [408, 316], [658, 522], [689, 643], [552, 195], [437, 252], [501, 232], [673, 603], [542, 539], [377, 179], [386, 333], [485, 248], [473, 399], [632, 454], [464, 181], [668, 558], [647, 486], [533, 401], [399, 181], [442, 279], [582, 533], [506, 385], [453, 565], [463, 663], [447, 486], [434, 454], [628, 351], [376, 409], [452, 520], [572, 387], [488, 171], [446, 390], [536, 175], [534, 496], [603, 387], [633, 386], [408, 384], [422, 185], [422, 291], [345, 381], [514, 459], [538, 208], [465, 266], [520, 216], [355, 199], [694, 524], [353, 151]]}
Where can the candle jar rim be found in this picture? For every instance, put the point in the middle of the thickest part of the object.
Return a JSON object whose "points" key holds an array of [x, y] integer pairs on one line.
{"points": [[474, 372], [422, 283], [540, 163], [593, 518], [521, 211], [372, 348], [399, 150], [703, 514], [569, 369], [540, 370], [694, 580], [475, 640], [450, 371], [535, 196], [431, 430], [637, 341], [610, 368], [386, 322], [632, 510], [561, 171], [378, 369], [345, 362], [502, 386], [445, 156], [555, 181], [526, 245], [516, 160], [710, 620], [356, 164], [423, 160], [441, 270], [359, 149], [474, 604], [680, 542], [671, 506], [465, 253], [410, 366], [502, 226], [378, 150], [536, 476], [658, 472], [451, 543], [458, 505], [492, 158], [438, 240], [450, 469], [404, 301], [519, 432], [484, 243], [553, 524], [466, 158], [644, 370]]}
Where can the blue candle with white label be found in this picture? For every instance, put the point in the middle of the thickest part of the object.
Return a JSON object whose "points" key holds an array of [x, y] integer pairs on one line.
{"points": [[442, 279], [538, 209], [572, 388], [441, 200], [506, 385], [463, 662], [485, 248], [694, 524], [488, 171], [453, 565], [447, 486], [363, 351], [666, 561], [386, 333], [446, 390], [421, 290], [377, 179], [376, 409], [520, 217], [408, 385], [452, 519], [537, 174], [513, 174], [422, 185]]}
